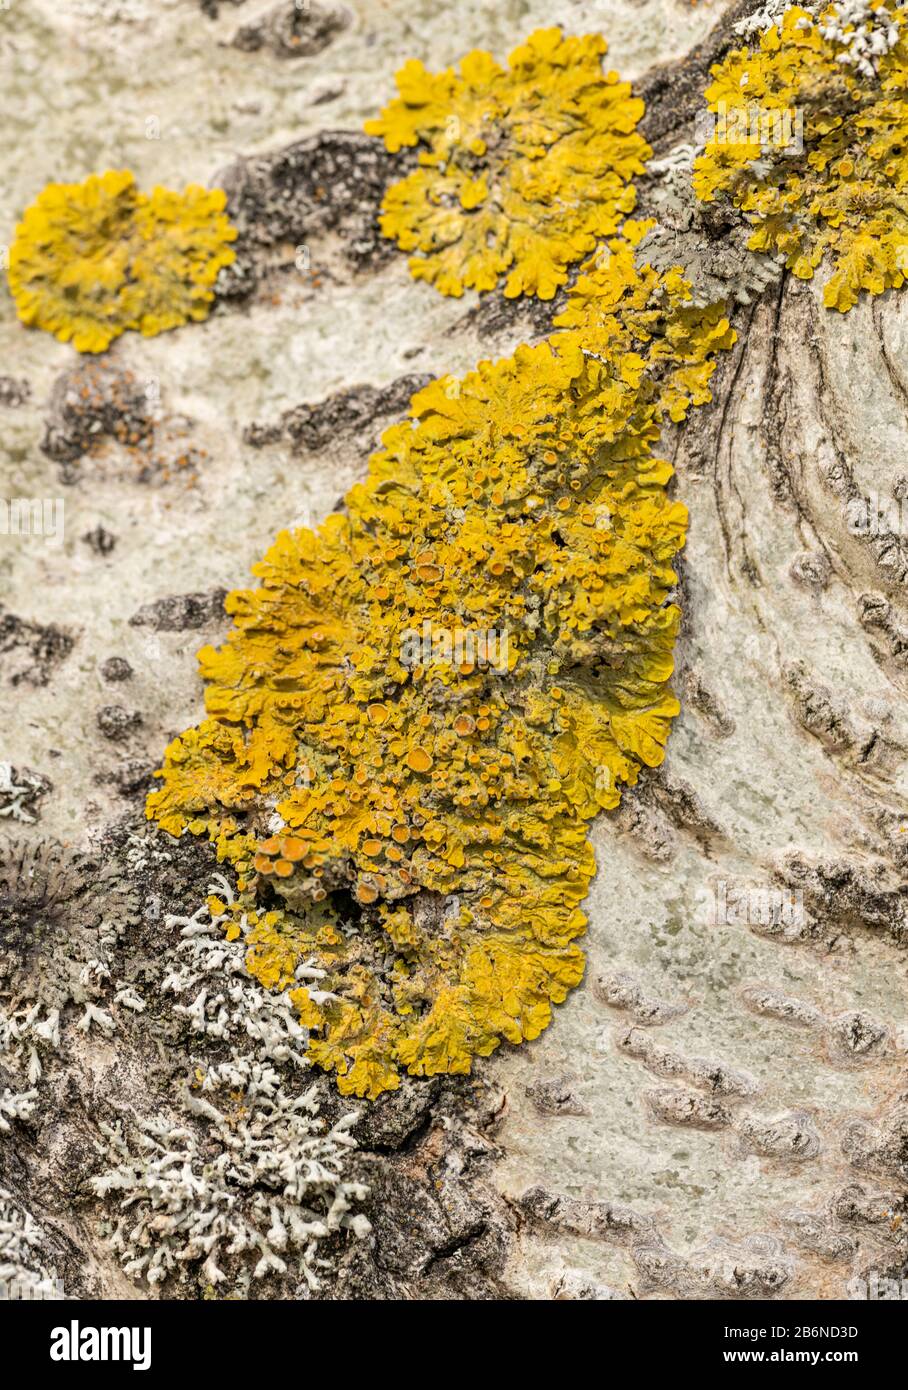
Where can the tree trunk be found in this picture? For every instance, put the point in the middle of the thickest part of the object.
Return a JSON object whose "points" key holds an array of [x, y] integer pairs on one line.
{"points": [[719, 1110]]}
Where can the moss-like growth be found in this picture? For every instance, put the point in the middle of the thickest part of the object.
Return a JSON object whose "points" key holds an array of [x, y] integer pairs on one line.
{"points": [[91, 260], [425, 701], [521, 169], [844, 191]]}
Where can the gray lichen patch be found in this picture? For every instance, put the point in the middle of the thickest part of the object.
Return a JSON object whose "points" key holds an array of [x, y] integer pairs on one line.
{"points": [[712, 252], [357, 414], [31, 651], [61, 912], [291, 30], [96, 401], [104, 420], [286, 205], [179, 613]]}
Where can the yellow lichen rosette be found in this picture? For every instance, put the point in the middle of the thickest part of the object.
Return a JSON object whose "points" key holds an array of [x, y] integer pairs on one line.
{"points": [[91, 260], [521, 169]]}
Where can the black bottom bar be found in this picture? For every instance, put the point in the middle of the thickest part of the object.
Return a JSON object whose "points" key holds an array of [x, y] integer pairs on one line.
{"points": [[281, 1340]]}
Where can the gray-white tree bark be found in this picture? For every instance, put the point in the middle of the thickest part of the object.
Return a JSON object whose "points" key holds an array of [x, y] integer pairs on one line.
{"points": [[720, 1109]]}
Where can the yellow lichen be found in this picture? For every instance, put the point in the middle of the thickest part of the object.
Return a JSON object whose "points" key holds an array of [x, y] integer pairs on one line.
{"points": [[426, 700], [521, 169], [647, 321], [90, 260], [843, 193]]}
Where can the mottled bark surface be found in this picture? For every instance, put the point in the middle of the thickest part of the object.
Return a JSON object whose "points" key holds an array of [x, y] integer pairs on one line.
{"points": [[720, 1110]]}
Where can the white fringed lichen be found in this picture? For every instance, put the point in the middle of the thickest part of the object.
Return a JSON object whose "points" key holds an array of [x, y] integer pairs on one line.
{"points": [[19, 790], [24, 1272], [28, 1033], [266, 1184], [864, 30], [250, 1179], [16, 1105]]}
